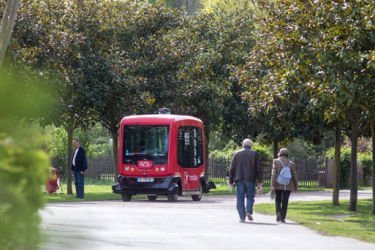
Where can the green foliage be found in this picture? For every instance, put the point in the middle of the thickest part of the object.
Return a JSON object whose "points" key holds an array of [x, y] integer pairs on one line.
{"points": [[208, 48], [190, 6], [312, 63], [214, 6], [344, 164], [366, 162], [227, 153], [23, 164], [43, 41], [95, 141], [143, 57], [23, 168], [310, 59], [301, 149], [57, 148], [264, 151], [103, 55]]}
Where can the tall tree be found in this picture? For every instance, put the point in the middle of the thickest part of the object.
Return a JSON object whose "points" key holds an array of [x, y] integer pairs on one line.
{"points": [[6, 26], [322, 50], [102, 55], [209, 47], [134, 75], [274, 86], [46, 39], [345, 68], [373, 166]]}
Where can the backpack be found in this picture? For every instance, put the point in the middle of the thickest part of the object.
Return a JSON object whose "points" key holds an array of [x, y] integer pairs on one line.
{"points": [[285, 174]]}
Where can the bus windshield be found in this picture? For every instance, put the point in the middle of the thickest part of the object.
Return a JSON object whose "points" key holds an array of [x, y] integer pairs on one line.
{"points": [[146, 142]]}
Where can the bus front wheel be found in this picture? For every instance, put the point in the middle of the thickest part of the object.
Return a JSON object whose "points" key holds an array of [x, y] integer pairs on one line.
{"points": [[198, 197], [152, 197], [172, 197], [126, 197]]}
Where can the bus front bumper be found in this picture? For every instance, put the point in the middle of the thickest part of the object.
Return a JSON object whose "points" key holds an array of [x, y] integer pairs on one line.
{"points": [[157, 186]]}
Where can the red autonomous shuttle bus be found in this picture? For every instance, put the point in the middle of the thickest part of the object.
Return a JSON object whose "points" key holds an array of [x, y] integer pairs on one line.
{"points": [[161, 154]]}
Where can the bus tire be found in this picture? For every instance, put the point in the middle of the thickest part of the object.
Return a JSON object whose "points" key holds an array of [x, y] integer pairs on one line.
{"points": [[152, 197], [172, 197], [126, 197], [198, 197]]}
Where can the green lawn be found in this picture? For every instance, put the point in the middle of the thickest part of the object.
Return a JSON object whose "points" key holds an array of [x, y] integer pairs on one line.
{"points": [[331, 220], [222, 189], [93, 192], [102, 190]]}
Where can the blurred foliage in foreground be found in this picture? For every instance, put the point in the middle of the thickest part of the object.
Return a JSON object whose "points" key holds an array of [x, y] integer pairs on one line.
{"points": [[23, 163]]}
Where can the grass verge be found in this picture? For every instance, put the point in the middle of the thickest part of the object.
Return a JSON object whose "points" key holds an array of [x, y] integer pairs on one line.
{"points": [[93, 192], [331, 220], [102, 190], [223, 189]]}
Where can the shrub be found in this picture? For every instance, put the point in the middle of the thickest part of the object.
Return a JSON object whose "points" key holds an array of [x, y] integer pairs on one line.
{"points": [[23, 165], [227, 153], [344, 163], [263, 150], [229, 150], [23, 169], [365, 159], [301, 149]]}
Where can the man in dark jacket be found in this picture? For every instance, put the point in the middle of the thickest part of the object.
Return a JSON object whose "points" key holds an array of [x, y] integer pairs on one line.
{"points": [[244, 172], [79, 165]]}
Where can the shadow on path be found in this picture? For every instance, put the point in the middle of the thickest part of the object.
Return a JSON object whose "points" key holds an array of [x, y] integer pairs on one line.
{"points": [[261, 223]]}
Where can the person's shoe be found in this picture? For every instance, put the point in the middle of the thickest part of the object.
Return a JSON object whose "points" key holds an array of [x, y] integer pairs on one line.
{"points": [[249, 216], [283, 221], [278, 217], [242, 220]]}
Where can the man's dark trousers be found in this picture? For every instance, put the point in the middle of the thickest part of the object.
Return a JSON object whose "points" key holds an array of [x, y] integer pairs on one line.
{"points": [[79, 181]]}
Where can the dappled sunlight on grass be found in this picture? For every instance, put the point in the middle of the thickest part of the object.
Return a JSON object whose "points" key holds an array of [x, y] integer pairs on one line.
{"points": [[329, 219]]}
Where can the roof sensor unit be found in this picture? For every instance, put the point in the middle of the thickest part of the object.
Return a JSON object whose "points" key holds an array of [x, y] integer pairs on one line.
{"points": [[164, 111]]}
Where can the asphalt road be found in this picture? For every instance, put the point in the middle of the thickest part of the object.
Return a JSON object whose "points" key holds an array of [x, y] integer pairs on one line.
{"points": [[209, 224]]}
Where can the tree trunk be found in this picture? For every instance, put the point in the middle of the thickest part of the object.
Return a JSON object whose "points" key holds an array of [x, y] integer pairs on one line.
{"points": [[70, 131], [373, 165], [6, 26], [336, 169], [114, 134], [275, 145], [353, 161]]}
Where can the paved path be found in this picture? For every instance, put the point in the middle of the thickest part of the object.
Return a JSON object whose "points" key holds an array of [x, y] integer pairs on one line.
{"points": [[209, 224]]}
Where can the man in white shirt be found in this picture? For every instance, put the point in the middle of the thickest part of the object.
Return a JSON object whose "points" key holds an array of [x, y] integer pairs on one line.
{"points": [[79, 165]]}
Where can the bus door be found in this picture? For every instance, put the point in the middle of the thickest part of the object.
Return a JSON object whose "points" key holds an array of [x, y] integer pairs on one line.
{"points": [[190, 156]]}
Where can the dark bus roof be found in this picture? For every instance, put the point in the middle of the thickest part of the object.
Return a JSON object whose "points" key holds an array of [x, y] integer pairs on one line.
{"points": [[162, 118]]}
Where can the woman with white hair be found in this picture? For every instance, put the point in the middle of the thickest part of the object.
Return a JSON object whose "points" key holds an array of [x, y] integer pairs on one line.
{"points": [[283, 182]]}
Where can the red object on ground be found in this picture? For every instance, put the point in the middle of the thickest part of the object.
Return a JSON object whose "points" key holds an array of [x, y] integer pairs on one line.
{"points": [[53, 181]]}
